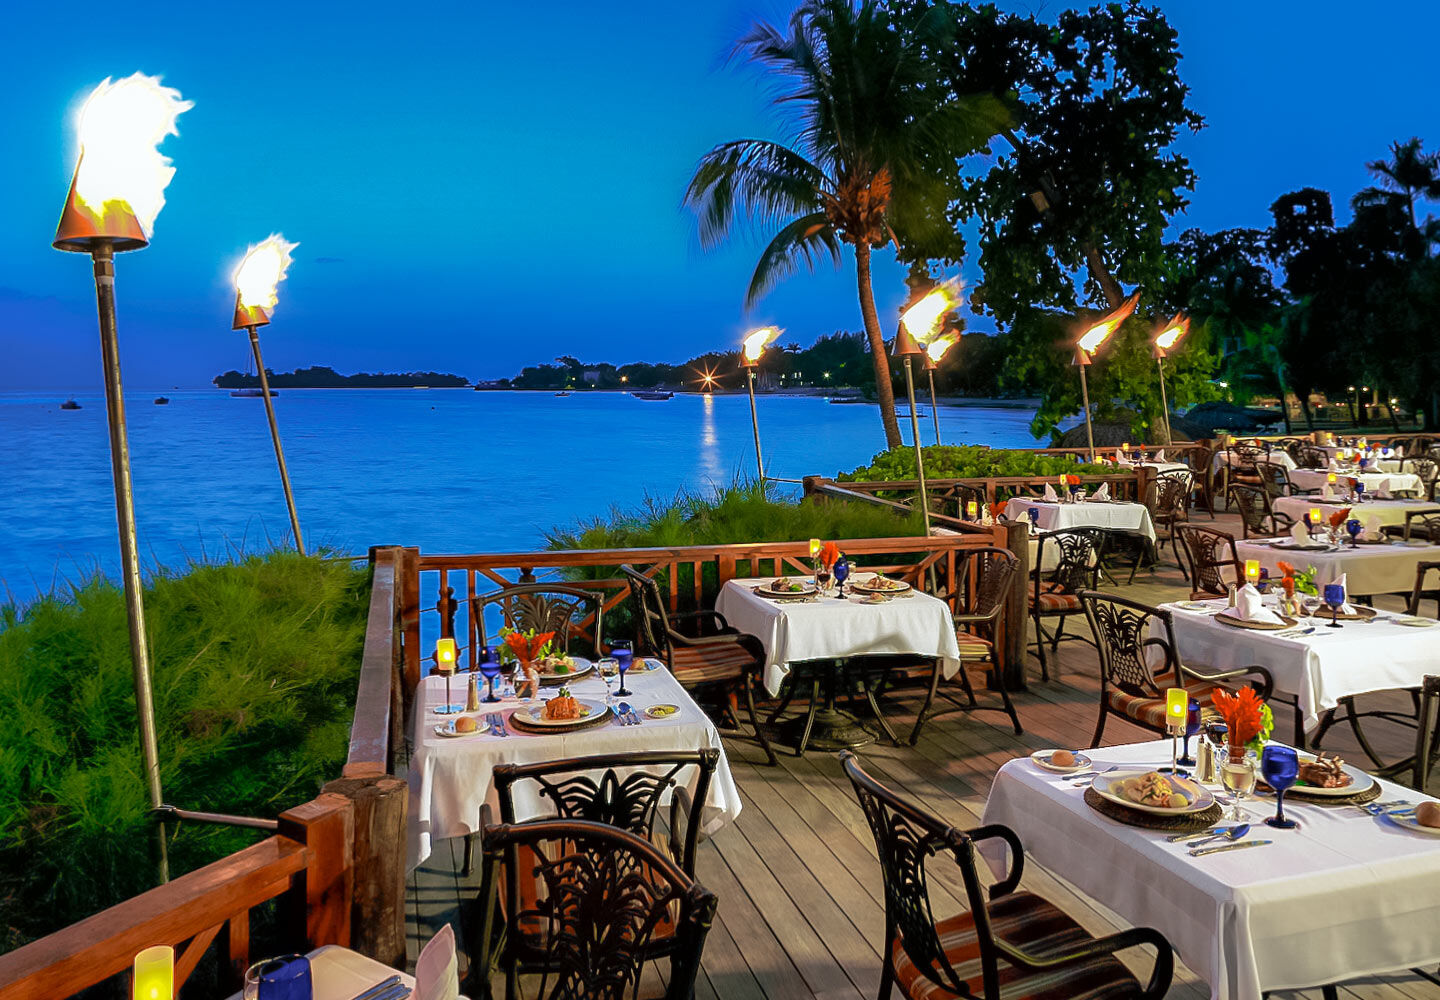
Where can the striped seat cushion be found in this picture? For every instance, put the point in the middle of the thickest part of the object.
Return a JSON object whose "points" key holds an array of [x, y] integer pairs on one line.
{"points": [[710, 663], [1024, 920], [973, 647], [1151, 711], [1053, 597]]}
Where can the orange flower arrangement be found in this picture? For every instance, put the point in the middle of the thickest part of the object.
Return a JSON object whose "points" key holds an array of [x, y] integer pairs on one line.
{"points": [[1243, 713], [1072, 480], [1339, 517], [527, 647], [829, 553]]}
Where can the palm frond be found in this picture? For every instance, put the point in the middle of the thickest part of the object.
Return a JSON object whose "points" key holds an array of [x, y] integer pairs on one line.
{"points": [[762, 181], [802, 239]]}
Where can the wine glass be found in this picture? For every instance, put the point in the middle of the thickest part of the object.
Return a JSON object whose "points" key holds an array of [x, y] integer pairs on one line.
{"points": [[1354, 527], [1192, 727], [822, 578], [1033, 513], [1334, 599], [842, 573], [1281, 767], [622, 652], [1237, 773], [489, 669], [1359, 491], [283, 978]]}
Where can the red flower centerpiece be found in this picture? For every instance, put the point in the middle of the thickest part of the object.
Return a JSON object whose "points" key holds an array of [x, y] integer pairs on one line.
{"points": [[527, 649], [1244, 715]]}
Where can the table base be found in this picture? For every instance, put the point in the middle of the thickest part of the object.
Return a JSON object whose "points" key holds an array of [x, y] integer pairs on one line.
{"points": [[831, 730]]}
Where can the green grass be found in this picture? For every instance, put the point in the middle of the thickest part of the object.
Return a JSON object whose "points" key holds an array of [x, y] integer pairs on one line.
{"points": [[255, 666]]}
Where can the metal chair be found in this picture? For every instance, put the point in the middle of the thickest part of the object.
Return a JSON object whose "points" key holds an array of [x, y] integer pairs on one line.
{"points": [[544, 607], [1419, 593], [604, 893], [1428, 469], [1239, 467], [1201, 461], [700, 647], [1171, 509], [1077, 567], [1419, 524], [1311, 457], [1275, 479], [1041, 952], [1208, 552], [1130, 686], [978, 631], [1257, 516]]}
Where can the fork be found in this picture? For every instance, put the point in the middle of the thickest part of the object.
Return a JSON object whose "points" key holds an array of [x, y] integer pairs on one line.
{"points": [[497, 725]]}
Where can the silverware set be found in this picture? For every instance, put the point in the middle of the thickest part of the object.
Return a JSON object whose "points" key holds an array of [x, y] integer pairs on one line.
{"points": [[1203, 836], [390, 989], [626, 714], [1242, 845], [1381, 808], [1088, 776], [497, 726]]}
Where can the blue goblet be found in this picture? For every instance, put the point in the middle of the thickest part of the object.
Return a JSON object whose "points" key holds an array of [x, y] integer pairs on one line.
{"points": [[1280, 767], [1192, 727], [622, 653], [489, 669], [1359, 491], [1033, 513], [1363, 463], [285, 978], [842, 573], [1335, 599], [1354, 527]]}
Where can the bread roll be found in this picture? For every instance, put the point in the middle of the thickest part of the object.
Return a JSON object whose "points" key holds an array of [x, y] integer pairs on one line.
{"points": [[1062, 758], [1428, 814], [466, 724]]}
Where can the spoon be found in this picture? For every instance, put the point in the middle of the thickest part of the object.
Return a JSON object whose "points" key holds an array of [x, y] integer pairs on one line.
{"points": [[1234, 833], [624, 710]]}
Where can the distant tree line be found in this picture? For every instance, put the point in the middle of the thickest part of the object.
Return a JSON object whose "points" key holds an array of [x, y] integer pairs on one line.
{"points": [[323, 377]]}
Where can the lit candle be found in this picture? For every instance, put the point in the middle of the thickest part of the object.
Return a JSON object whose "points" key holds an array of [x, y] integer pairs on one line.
{"points": [[445, 655], [1125, 447], [154, 974], [1177, 706], [972, 510], [1252, 571], [1314, 516], [1330, 479], [814, 547]]}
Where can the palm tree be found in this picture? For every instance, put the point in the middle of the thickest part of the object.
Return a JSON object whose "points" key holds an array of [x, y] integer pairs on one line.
{"points": [[1409, 176], [871, 146]]}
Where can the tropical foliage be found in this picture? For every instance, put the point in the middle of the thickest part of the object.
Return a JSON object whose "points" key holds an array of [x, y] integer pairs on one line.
{"points": [[969, 462]]}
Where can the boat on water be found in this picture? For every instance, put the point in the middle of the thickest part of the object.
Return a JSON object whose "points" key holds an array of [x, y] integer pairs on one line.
{"points": [[563, 393], [848, 399], [246, 393], [657, 394], [69, 404], [162, 400]]}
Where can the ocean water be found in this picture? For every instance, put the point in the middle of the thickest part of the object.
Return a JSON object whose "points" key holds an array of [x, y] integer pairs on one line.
{"points": [[449, 470]]}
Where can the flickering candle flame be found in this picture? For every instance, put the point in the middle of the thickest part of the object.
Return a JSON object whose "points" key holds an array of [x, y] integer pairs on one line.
{"points": [[940, 346], [1173, 331], [262, 269], [1314, 515], [154, 974], [922, 320], [1252, 570], [121, 127], [445, 654], [814, 547], [1177, 704], [1095, 337], [757, 340]]}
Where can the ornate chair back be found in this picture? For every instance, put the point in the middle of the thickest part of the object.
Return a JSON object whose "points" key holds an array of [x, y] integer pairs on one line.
{"points": [[1207, 552], [627, 800], [964, 494], [1246, 455], [1120, 626], [544, 607], [652, 623], [905, 837], [1078, 553], [1291, 447], [1173, 490], [1253, 503], [1422, 524], [1420, 593], [604, 894], [1311, 457], [990, 571], [1274, 478], [1426, 468]]}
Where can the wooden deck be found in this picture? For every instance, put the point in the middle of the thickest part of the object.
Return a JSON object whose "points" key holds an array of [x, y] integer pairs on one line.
{"points": [[801, 911]]}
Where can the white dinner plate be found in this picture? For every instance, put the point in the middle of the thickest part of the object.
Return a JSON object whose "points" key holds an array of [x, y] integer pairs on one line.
{"points": [[1359, 782], [447, 729], [1413, 622], [1042, 759], [1409, 822], [807, 588], [534, 714], [887, 587], [1195, 606], [580, 669], [1107, 786]]}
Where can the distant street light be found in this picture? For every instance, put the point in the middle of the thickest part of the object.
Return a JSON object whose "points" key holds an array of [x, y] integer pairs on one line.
{"points": [[1170, 334], [1091, 341], [751, 350]]}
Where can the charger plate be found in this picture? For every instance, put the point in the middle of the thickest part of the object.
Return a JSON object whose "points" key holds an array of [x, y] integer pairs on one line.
{"points": [[1233, 622], [1186, 823]]}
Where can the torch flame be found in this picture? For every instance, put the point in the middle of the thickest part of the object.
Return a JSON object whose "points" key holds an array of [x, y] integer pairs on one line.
{"points": [[262, 269], [922, 320], [121, 126], [1095, 337], [1173, 331], [757, 340], [940, 346]]}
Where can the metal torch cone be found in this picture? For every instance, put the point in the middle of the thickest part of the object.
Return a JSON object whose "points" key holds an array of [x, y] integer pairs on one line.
{"points": [[930, 367], [1084, 362], [251, 318], [906, 347], [755, 422], [1164, 403], [83, 231]]}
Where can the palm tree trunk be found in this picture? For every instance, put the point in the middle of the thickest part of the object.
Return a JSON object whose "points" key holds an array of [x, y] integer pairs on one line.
{"points": [[1102, 274], [883, 389]]}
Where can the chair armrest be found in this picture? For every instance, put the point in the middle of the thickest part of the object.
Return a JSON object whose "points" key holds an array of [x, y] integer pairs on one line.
{"points": [[1267, 682], [1160, 976], [996, 831], [716, 620]]}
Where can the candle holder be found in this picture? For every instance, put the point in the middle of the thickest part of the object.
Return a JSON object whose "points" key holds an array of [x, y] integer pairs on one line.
{"points": [[1192, 727], [1177, 705]]}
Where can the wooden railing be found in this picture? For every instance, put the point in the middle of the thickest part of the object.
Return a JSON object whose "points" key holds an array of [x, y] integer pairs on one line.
{"points": [[947, 495], [307, 866]]}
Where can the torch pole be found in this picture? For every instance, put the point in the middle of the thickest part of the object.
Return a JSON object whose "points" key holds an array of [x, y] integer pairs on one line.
{"points": [[103, 257], [275, 436], [1164, 404], [755, 423], [1085, 398], [915, 437], [934, 410]]}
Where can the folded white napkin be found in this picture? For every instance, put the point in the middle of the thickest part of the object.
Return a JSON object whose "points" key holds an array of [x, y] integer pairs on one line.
{"points": [[436, 973], [1326, 493], [1250, 607], [1382, 489], [1334, 464], [1119, 457], [1050, 496], [1300, 533], [1103, 493], [1373, 525], [1400, 451], [1160, 455]]}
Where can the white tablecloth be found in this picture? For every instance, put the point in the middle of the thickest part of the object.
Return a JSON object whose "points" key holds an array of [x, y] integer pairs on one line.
{"points": [[1054, 516], [1315, 479], [1368, 569], [1278, 457], [450, 776], [338, 973], [832, 628], [1317, 669], [1389, 511], [1345, 895]]}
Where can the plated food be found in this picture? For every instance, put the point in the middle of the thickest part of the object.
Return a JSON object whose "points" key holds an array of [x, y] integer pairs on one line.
{"points": [[876, 583], [786, 586], [1424, 819], [1327, 776], [562, 708], [1153, 792], [562, 669], [464, 725], [1060, 761], [662, 711], [561, 712]]}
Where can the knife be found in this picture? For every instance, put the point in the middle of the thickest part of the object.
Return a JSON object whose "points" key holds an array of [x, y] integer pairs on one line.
{"points": [[1201, 851], [1179, 837], [380, 989]]}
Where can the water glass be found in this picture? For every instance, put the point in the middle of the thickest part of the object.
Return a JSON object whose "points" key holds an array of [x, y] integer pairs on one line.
{"points": [[1281, 767], [842, 573], [283, 978], [1334, 598], [1354, 527], [1033, 513], [1237, 773], [490, 669], [622, 652]]}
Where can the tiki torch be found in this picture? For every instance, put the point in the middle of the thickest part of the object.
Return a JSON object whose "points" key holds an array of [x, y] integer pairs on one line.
{"points": [[752, 348], [918, 325], [1090, 342], [117, 191], [1163, 343], [262, 269], [934, 354]]}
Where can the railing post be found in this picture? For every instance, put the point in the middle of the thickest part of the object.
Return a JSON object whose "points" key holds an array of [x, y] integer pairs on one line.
{"points": [[408, 587], [447, 606], [1017, 618], [377, 909], [317, 906]]}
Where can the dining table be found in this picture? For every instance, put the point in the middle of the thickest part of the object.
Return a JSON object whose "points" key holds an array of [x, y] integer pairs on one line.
{"points": [[822, 632], [1374, 482], [1112, 515], [450, 776], [1313, 663], [1388, 511], [1350, 892], [1383, 566], [338, 973]]}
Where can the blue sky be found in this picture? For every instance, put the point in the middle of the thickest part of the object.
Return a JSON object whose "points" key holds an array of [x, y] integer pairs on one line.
{"points": [[477, 186]]}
